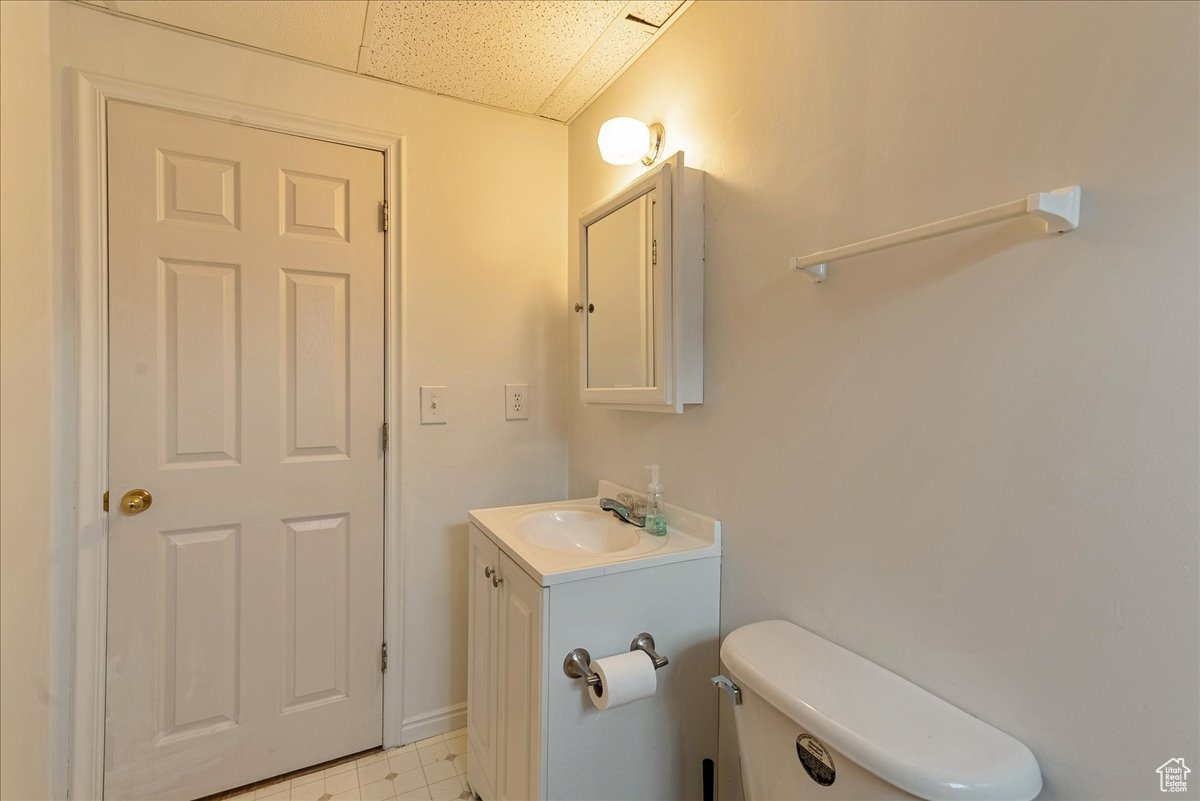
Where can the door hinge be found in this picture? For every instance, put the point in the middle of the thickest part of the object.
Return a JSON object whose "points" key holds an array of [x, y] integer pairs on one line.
{"points": [[383, 658], [383, 215], [654, 253], [105, 501], [383, 436]]}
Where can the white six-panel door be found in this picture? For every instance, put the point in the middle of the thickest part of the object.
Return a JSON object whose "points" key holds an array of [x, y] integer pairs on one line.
{"points": [[246, 362]]}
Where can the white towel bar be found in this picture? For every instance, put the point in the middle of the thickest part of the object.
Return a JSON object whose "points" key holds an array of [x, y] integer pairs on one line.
{"points": [[1058, 209]]}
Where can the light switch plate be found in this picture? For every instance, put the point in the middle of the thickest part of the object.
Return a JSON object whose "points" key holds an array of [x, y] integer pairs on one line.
{"points": [[516, 401], [433, 406]]}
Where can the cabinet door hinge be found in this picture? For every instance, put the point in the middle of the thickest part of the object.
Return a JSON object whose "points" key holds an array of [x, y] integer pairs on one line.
{"points": [[383, 436], [654, 253], [105, 501], [383, 658], [383, 215]]}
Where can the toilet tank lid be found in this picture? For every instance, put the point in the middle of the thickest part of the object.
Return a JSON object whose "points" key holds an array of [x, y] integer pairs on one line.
{"points": [[887, 725]]}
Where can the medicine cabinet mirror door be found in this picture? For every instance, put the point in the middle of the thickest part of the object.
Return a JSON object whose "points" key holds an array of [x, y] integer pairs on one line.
{"points": [[625, 282]]}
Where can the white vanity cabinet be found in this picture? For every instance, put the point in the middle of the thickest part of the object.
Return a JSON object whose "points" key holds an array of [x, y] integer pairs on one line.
{"points": [[533, 732], [503, 680]]}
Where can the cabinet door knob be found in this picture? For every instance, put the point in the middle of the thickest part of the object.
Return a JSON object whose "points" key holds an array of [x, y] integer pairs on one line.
{"points": [[496, 582], [488, 572]]}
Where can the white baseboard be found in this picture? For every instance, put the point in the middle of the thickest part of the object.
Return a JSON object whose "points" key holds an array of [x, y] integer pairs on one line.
{"points": [[439, 721]]}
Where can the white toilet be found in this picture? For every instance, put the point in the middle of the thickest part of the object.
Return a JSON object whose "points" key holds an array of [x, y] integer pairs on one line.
{"points": [[815, 721]]}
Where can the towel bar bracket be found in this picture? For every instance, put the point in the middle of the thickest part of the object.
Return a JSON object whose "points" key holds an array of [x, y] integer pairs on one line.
{"points": [[1059, 209]]}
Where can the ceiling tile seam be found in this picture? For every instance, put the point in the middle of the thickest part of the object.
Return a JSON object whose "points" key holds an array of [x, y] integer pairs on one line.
{"points": [[368, 34], [596, 45], [667, 23], [297, 59], [618, 49]]}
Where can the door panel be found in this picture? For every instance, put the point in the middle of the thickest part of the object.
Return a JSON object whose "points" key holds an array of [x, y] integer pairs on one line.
{"points": [[316, 323], [199, 335], [195, 189], [199, 642], [316, 603], [246, 332]]}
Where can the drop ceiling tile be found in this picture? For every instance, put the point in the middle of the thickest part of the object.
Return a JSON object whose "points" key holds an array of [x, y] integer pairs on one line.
{"points": [[602, 63], [324, 31], [620, 43], [508, 54]]}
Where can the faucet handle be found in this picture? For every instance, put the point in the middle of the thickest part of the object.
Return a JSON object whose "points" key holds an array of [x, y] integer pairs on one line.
{"points": [[635, 505]]}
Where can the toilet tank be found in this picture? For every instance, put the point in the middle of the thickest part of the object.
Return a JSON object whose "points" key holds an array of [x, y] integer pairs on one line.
{"points": [[819, 722]]}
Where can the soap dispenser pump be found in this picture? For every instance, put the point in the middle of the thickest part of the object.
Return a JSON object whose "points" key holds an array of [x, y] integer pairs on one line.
{"points": [[656, 517]]}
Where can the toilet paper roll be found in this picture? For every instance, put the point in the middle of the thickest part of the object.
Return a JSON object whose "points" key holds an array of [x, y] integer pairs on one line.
{"points": [[624, 678]]}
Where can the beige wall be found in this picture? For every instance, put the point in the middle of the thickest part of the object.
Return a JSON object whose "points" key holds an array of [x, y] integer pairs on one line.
{"points": [[485, 289], [972, 460], [27, 339]]}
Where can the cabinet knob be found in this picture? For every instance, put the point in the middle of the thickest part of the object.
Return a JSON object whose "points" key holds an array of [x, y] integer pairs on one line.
{"points": [[496, 582], [488, 572]]}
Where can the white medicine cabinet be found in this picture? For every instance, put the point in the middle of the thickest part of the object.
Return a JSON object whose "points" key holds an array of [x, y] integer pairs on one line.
{"points": [[641, 279]]}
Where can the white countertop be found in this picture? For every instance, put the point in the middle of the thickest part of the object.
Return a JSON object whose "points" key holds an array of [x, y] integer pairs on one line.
{"points": [[690, 535]]}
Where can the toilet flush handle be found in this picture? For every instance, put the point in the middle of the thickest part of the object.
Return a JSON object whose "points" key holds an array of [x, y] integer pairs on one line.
{"points": [[732, 690]]}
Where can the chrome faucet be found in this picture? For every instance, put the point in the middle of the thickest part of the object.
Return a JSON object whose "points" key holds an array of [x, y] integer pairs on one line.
{"points": [[622, 510]]}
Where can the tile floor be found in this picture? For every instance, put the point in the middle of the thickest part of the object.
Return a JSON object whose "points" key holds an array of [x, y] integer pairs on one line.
{"points": [[432, 770]]}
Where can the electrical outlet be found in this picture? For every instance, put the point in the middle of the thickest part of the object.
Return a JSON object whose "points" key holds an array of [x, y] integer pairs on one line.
{"points": [[516, 401], [433, 406]]}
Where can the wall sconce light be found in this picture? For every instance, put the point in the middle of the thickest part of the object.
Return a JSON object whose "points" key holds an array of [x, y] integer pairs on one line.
{"points": [[624, 140]]}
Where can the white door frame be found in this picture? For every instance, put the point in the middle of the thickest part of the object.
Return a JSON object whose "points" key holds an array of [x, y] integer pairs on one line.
{"points": [[89, 584]]}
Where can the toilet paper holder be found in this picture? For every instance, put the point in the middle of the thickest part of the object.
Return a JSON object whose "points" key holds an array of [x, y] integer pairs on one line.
{"points": [[578, 663], [645, 642]]}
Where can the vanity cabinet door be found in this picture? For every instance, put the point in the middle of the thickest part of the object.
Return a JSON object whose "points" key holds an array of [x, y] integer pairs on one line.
{"points": [[520, 737], [483, 662]]}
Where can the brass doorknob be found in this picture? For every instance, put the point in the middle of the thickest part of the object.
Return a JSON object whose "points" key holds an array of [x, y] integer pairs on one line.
{"points": [[136, 501]]}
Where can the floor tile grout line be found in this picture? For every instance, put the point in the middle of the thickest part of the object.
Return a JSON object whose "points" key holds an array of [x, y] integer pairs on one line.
{"points": [[286, 784]]}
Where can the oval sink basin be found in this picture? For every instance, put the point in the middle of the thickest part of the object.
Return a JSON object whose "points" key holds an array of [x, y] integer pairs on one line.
{"points": [[582, 529]]}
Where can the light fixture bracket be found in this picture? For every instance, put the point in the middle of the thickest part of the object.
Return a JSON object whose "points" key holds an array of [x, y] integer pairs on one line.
{"points": [[657, 135]]}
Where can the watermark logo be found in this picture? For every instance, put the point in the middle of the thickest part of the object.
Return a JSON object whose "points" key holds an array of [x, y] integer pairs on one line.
{"points": [[1172, 776]]}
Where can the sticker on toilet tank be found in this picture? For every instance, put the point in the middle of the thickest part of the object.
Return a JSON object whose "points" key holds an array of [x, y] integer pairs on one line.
{"points": [[816, 759]]}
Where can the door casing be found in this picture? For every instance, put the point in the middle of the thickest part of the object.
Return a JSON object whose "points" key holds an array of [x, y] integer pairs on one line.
{"points": [[85, 589]]}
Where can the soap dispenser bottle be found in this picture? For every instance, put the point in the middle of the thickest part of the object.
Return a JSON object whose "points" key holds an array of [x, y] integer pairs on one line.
{"points": [[656, 516]]}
